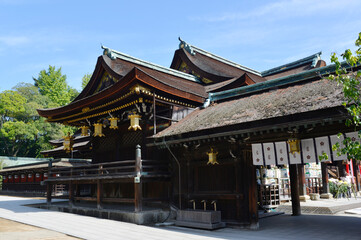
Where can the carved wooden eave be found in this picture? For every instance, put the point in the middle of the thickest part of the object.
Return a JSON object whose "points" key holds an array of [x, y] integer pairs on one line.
{"points": [[131, 84]]}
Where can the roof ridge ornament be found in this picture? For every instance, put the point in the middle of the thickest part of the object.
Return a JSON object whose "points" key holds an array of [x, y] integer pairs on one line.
{"points": [[186, 47], [316, 59], [108, 52]]}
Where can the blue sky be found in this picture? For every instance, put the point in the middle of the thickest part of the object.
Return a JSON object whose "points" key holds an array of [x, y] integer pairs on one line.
{"points": [[257, 34]]}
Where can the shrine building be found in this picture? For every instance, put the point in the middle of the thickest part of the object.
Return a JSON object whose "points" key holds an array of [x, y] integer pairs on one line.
{"points": [[195, 138]]}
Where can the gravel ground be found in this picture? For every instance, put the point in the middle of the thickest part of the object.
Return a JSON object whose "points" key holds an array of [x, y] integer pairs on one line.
{"points": [[10, 230]]}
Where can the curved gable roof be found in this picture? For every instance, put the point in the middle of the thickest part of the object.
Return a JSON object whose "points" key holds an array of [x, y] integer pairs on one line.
{"points": [[125, 70]]}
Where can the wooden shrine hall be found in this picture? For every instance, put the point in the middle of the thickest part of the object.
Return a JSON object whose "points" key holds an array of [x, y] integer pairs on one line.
{"points": [[183, 136]]}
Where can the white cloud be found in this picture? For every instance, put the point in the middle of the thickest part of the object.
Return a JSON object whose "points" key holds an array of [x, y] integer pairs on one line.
{"points": [[13, 40]]}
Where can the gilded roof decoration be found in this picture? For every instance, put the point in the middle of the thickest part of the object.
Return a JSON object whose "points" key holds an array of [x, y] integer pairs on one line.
{"points": [[106, 81]]}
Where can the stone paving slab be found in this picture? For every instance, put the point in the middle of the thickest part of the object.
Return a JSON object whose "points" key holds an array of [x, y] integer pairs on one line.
{"points": [[354, 211], [279, 227], [323, 206]]}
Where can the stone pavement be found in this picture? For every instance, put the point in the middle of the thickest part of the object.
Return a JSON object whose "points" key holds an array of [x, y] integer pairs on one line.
{"points": [[324, 206], [339, 226]]}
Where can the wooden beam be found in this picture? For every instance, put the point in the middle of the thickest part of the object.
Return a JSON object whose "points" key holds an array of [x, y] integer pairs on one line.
{"points": [[296, 205]]}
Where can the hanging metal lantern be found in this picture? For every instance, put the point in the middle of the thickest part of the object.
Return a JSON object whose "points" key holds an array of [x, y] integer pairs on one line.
{"points": [[134, 122], [84, 131], [294, 145], [98, 130], [68, 143], [212, 157], [113, 122]]}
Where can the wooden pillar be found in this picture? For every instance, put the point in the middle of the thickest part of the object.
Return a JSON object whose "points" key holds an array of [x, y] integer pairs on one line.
{"points": [[341, 169], [77, 190], [252, 197], [99, 189], [49, 186], [138, 191], [99, 193], [71, 196], [296, 205], [237, 180], [301, 179], [325, 186], [71, 190], [356, 173], [154, 116]]}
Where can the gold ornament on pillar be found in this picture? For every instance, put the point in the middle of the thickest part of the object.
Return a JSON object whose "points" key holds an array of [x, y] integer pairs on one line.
{"points": [[134, 122], [98, 130], [113, 122], [212, 157], [84, 131], [68, 143]]}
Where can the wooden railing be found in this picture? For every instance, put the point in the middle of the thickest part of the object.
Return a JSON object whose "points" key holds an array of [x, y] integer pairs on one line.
{"points": [[135, 170], [314, 185], [109, 170]]}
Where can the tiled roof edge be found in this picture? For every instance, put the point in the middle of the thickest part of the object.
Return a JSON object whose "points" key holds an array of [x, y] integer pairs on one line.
{"points": [[218, 58], [113, 54], [274, 82], [313, 58]]}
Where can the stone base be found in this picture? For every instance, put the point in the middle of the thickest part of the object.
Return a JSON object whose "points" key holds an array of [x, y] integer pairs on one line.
{"points": [[141, 218], [208, 226], [326, 196], [304, 198], [199, 219], [314, 196]]}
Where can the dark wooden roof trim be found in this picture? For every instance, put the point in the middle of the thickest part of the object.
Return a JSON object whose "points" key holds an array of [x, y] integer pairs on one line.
{"points": [[311, 60]]}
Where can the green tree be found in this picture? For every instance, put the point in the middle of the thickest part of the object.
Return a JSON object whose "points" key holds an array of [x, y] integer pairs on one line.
{"points": [[52, 83], [11, 106], [23, 132], [350, 80], [85, 80]]}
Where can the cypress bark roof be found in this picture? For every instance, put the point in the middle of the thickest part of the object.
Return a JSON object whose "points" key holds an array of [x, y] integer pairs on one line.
{"points": [[310, 96]]}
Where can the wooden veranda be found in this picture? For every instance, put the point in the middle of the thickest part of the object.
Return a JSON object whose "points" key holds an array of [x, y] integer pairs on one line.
{"points": [[138, 172]]}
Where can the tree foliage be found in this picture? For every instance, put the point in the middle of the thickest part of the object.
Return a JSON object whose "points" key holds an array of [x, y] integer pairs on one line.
{"points": [[350, 80], [22, 131], [52, 83], [85, 80]]}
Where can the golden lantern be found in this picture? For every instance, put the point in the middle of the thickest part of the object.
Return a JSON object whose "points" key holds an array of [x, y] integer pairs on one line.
{"points": [[113, 122], [98, 130], [134, 122], [68, 143], [84, 131], [294, 145], [212, 157]]}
